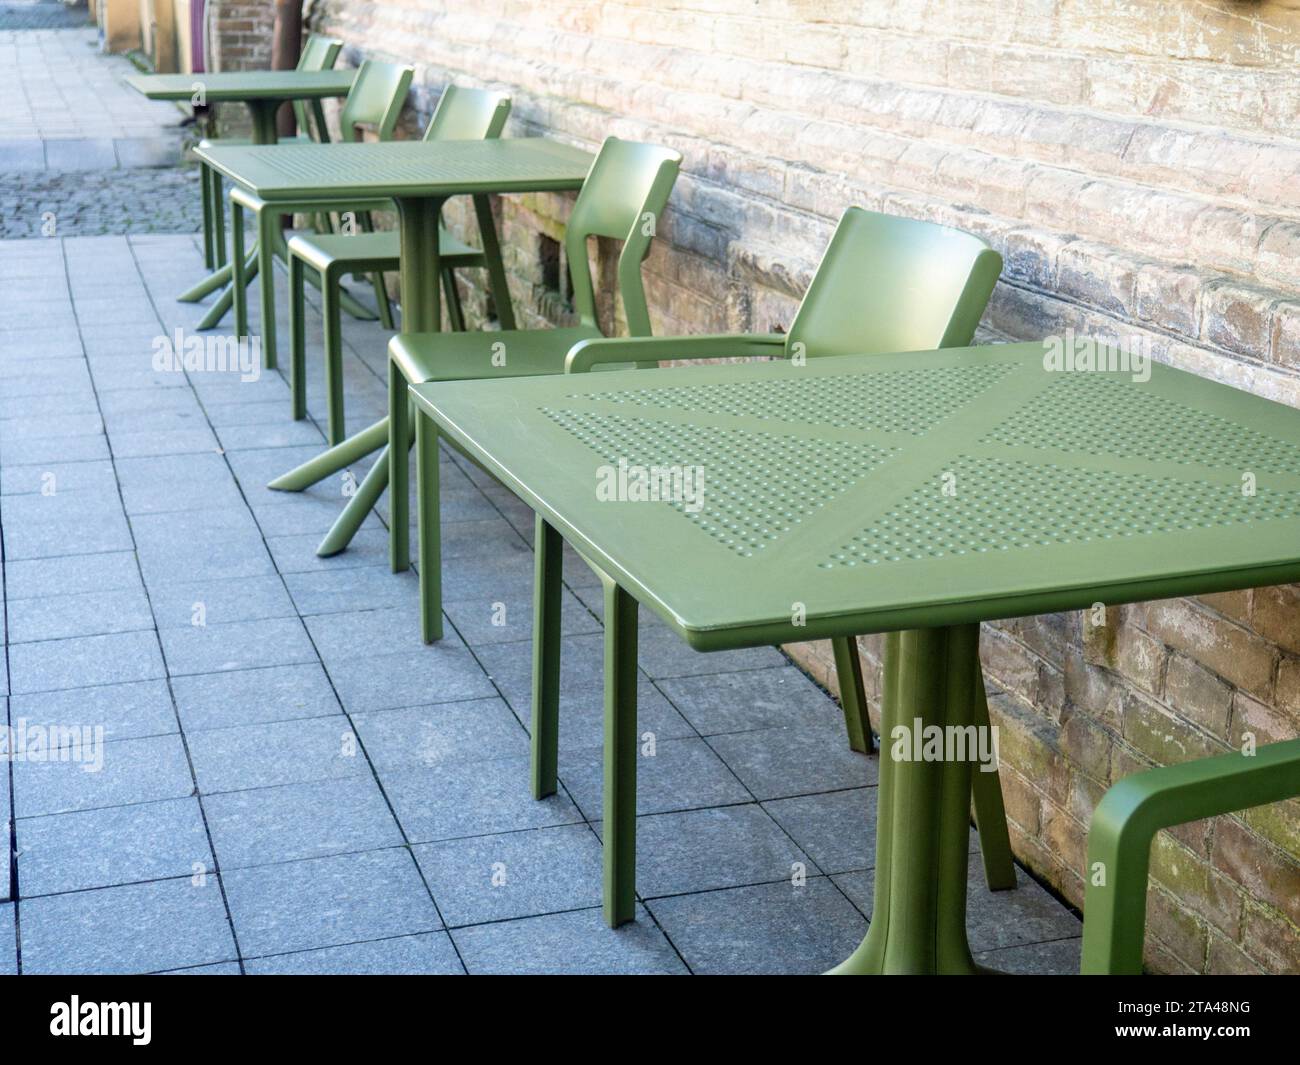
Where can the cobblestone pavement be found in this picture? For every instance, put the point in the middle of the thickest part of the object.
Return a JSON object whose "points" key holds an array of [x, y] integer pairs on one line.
{"points": [[42, 15], [99, 202], [358, 801], [81, 154]]}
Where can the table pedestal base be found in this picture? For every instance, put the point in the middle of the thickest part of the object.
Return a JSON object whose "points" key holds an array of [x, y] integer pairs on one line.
{"points": [[918, 923]]}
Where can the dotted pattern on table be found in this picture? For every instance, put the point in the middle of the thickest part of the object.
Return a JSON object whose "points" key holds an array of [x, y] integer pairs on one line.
{"points": [[1095, 415], [894, 401], [756, 486], [995, 506], [396, 164]]}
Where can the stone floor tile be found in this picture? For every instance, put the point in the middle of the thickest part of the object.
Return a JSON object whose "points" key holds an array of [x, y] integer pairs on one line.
{"points": [[137, 928], [426, 954], [84, 661], [471, 799], [254, 696], [478, 730], [284, 752], [115, 845], [130, 771], [682, 774], [515, 874], [561, 943], [324, 902], [124, 711], [769, 929], [296, 821]]}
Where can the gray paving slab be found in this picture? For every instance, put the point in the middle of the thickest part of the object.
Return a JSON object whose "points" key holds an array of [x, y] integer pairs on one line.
{"points": [[124, 711], [768, 929], [93, 776], [296, 821], [284, 752], [111, 846], [513, 874], [324, 902], [427, 954], [254, 697], [568, 943], [136, 928]]}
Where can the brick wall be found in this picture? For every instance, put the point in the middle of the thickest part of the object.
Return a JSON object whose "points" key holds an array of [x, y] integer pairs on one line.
{"points": [[1130, 160], [240, 35]]}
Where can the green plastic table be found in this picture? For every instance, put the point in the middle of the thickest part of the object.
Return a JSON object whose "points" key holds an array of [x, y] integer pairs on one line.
{"points": [[420, 176], [915, 494], [263, 92]]}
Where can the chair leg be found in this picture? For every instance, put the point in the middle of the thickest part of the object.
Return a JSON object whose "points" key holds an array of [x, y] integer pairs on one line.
{"points": [[217, 197], [430, 537], [620, 755], [495, 265], [990, 814], [268, 232], [238, 275], [205, 196], [297, 340], [853, 697], [331, 311], [399, 467], [382, 301], [548, 562], [455, 313]]}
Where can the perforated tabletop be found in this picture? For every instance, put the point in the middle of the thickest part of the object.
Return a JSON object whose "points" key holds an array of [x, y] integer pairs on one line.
{"points": [[401, 168], [243, 85], [872, 493]]}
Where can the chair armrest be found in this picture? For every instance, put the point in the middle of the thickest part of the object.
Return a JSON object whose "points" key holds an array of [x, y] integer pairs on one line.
{"points": [[643, 350]]}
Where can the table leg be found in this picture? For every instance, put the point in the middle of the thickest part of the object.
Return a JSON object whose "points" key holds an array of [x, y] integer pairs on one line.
{"points": [[918, 924], [428, 503], [421, 313], [548, 574], [262, 112], [619, 799]]}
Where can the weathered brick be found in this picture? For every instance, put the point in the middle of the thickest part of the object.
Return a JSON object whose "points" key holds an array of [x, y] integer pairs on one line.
{"points": [[1238, 318], [1231, 651], [1196, 692], [1269, 875], [1276, 615], [1163, 737]]}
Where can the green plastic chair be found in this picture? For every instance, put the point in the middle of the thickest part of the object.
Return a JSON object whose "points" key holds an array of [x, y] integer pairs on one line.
{"points": [[624, 193], [318, 53], [375, 100], [885, 284], [1130, 814], [462, 114]]}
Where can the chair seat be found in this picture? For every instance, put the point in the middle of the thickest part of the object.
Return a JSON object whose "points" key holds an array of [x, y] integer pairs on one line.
{"points": [[470, 356], [380, 250]]}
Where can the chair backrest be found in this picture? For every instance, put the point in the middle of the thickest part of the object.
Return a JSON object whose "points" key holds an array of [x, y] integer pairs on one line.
{"points": [[375, 99], [318, 53], [468, 115], [894, 284], [623, 198]]}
